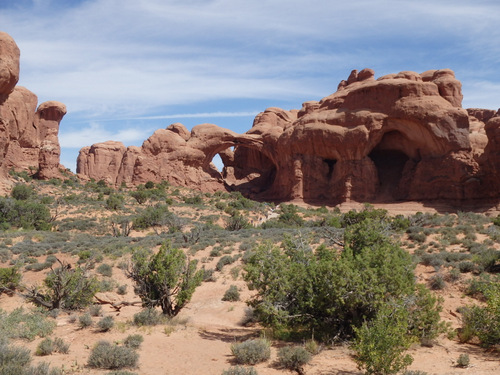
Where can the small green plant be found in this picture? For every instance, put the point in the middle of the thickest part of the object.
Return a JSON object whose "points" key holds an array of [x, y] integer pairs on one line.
{"points": [[45, 347], [105, 270], [437, 282], [105, 324], [294, 358], [9, 279], [380, 344], [463, 360], [133, 341], [109, 356], [147, 317], [85, 321], [95, 310], [240, 370], [251, 352], [61, 346], [122, 289], [232, 294]]}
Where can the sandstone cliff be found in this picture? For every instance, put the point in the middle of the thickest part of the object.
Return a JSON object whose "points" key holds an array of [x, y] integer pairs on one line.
{"points": [[28, 135], [402, 136]]}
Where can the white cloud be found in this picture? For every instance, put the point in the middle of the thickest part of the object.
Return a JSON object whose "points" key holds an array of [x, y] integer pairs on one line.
{"points": [[96, 133]]}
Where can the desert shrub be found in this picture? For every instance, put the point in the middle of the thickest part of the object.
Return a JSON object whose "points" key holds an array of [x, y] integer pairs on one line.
{"points": [[95, 310], [9, 279], [122, 289], [239, 370], [108, 356], [236, 222], [232, 294], [437, 282], [466, 266], [381, 343], [496, 221], [158, 217], [463, 360], [85, 321], [66, 287], [105, 270], [61, 346], [48, 346], [133, 341], [22, 192], [483, 322], [45, 347], [293, 358], [105, 324], [141, 195], [147, 317], [414, 372], [24, 214], [13, 359], [251, 352], [289, 216], [166, 279], [225, 260], [121, 372], [115, 202], [302, 290], [367, 213], [25, 325]]}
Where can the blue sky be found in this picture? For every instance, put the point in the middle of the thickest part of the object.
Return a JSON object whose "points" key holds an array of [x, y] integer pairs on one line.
{"points": [[125, 68]]}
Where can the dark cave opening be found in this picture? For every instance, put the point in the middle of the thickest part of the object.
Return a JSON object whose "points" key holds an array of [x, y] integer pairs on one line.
{"points": [[390, 165]]}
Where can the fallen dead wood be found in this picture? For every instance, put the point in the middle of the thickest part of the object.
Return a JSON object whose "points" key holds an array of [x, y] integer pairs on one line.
{"points": [[117, 305]]}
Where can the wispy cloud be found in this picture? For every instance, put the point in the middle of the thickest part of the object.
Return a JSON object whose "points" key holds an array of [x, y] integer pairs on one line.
{"points": [[133, 60], [96, 133], [199, 115]]}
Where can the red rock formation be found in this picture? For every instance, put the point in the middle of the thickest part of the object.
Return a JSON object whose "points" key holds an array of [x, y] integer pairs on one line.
{"points": [[402, 136], [28, 136]]}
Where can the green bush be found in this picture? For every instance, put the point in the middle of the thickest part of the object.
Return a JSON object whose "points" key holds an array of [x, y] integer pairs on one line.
{"points": [[484, 322], [66, 287], [19, 324], [293, 358], [9, 279], [239, 370], [147, 317], [45, 347], [105, 324], [306, 291], [166, 279], [381, 343], [133, 341], [13, 359], [22, 192], [232, 294], [437, 282], [108, 356], [251, 352], [95, 310], [115, 202], [85, 321], [48, 346], [463, 360], [225, 260], [105, 270], [236, 222]]}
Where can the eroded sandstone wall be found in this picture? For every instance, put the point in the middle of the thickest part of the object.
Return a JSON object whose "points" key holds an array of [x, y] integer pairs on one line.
{"points": [[28, 135]]}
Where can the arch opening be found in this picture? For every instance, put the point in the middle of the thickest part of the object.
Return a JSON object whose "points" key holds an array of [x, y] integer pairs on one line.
{"points": [[245, 169]]}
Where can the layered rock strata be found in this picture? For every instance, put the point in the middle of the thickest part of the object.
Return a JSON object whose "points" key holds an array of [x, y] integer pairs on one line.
{"points": [[402, 136], [28, 135]]}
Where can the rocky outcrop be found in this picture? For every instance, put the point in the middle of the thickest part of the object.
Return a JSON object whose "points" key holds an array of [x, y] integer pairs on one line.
{"points": [[402, 136], [28, 136]]}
